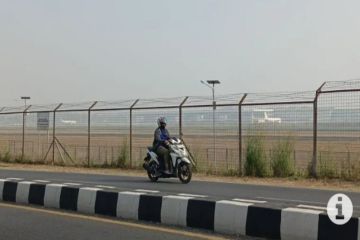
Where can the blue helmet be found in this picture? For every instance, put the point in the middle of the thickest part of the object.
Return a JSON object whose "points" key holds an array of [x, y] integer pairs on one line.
{"points": [[161, 120]]}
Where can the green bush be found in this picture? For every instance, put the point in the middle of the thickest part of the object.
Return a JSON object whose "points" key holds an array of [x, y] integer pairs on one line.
{"points": [[123, 157], [23, 160], [198, 159], [354, 172], [230, 172], [280, 156], [210, 170], [350, 169], [255, 164], [6, 157], [327, 166]]}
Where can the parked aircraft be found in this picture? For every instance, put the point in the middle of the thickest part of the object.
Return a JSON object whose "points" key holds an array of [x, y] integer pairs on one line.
{"points": [[261, 116], [71, 122]]}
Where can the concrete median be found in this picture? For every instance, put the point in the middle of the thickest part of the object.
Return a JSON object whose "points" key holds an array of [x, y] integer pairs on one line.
{"points": [[225, 217]]}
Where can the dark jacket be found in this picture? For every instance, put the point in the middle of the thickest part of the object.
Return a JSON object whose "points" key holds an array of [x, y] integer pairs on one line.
{"points": [[160, 136]]}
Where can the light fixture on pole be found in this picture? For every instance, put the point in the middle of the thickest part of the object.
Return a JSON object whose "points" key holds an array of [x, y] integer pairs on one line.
{"points": [[208, 83], [25, 98]]}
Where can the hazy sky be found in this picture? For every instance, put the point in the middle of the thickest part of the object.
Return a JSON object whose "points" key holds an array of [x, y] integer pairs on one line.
{"points": [[64, 51]]}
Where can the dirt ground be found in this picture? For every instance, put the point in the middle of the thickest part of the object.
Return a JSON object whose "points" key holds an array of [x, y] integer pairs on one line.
{"points": [[104, 147], [327, 184]]}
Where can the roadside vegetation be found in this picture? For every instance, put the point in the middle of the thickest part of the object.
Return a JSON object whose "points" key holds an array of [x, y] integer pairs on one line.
{"points": [[5, 157], [255, 164], [332, 166], [123, 157], [259, 161], [282, 164]]}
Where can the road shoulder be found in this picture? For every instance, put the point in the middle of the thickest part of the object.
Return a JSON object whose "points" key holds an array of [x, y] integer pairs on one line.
{"points": [[324, 184]]}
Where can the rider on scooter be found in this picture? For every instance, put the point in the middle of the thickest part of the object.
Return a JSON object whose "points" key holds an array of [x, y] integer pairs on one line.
{"points": [[161, 143]]}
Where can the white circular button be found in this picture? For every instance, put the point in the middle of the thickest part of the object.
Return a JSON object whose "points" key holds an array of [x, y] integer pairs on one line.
{"points": [[340, 209]]}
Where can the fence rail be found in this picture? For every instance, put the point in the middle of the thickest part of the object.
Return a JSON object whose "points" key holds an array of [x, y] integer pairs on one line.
{"points": [[324, 127]]}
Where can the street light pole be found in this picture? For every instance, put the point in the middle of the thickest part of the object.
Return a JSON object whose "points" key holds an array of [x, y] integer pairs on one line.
{"points": [[214, 131], [213, 82], [23, 130]]}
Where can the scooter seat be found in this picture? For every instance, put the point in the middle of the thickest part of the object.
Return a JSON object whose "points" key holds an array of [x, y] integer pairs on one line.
{"points": [[150, 148]]}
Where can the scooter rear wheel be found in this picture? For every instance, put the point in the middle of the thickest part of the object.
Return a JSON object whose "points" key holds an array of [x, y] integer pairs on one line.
{"points": [[152, 172]]}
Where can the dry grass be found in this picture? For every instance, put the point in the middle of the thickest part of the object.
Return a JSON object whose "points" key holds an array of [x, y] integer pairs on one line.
{"points": [[106, 147]]}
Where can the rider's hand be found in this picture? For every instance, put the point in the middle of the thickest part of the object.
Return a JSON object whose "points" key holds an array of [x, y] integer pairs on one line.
{"points": [[167, 142]]}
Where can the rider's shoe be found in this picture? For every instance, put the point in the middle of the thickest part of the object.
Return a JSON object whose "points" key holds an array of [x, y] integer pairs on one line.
{"points": [[167, 172]]}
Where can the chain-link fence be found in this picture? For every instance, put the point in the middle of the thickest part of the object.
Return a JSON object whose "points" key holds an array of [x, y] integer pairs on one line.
{"points": [[317, 132], [338, 128]]}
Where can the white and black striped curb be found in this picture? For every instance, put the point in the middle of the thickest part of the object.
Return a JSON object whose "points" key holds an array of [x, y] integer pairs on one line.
{"points": [[229, 217]]}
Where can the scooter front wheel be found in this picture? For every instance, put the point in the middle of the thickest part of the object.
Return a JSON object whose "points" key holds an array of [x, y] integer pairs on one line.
{"points": [[184, 172], [152, 172]]}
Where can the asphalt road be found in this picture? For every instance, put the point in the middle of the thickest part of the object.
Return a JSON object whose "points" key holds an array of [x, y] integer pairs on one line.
{"points": [[23, 223], [272, 195]]}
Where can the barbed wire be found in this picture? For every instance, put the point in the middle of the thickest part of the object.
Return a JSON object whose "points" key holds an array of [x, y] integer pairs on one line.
{"points": [[342, 85], [251, 98]]}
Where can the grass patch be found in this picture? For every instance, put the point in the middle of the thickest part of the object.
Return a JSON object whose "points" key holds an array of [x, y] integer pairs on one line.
{"points": [[255, 164], [327, 166], [350, 169], [6, 157], [124, 156], [198, 159], [230, 173], [281, 159]]}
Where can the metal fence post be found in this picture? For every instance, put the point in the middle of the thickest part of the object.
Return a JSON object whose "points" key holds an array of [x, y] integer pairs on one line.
{"points": [[89, 132], [131, 140], [54, 132], [315, 125], [240, 133], [180, 117], [23, 133], [23, 137]]}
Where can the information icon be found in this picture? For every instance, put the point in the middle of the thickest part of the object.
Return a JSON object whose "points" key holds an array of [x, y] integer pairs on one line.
{"points": [[340, 209]]}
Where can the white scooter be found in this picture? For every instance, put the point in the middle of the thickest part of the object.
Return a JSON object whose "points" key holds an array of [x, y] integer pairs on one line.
{"points": [[180, 160]]}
